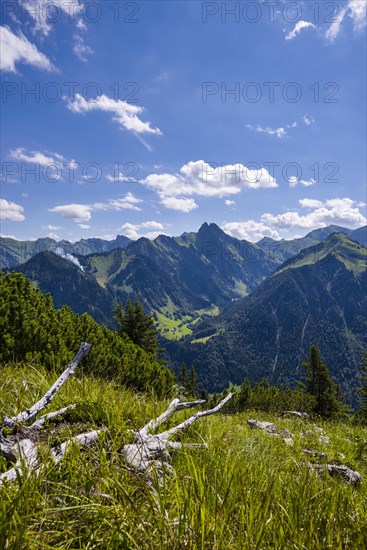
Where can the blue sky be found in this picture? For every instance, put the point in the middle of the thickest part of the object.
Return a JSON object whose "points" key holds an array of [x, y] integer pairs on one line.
{"points": [[152, 117]]}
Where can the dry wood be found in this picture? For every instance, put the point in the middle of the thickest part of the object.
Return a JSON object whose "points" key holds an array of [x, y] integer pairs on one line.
{"points": [[149, 452]]}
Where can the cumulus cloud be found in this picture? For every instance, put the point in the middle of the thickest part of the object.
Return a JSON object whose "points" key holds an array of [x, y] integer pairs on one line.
{"points": [[338, 211], [297, 29], [199, 178], [16, 48], [83, 212], [181, 204], [125, 114], [11, 211], [136, 231], [310, 203], [75, 212], [229, 203], [249, 230]]}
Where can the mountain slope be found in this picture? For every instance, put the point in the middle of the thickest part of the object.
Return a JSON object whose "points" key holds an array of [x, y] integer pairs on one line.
{"points": [[69, 285], [317, 297], [182, 276], [284, 249]]}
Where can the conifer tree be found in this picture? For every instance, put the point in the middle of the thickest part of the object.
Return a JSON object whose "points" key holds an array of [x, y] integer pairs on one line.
{"points": [[138, 326], [363, 389], [320, 384]]}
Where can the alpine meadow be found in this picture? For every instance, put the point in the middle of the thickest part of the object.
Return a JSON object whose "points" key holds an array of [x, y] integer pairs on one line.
{"points": [[183, 275]]}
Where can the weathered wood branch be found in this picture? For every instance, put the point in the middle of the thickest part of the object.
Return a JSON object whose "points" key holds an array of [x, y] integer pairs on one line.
{"points": [[81, 440], [28, 460], [174, 406], [30, 414], [150, 453], [38, 424], [20, 448]]}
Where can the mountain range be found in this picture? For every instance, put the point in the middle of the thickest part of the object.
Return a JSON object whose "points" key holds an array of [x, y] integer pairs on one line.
{"points": [[316, 297], [231, 307], [14, 252]]}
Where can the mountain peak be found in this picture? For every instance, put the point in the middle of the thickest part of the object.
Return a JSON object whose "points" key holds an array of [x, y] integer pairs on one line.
{"points": [[211, 228]]}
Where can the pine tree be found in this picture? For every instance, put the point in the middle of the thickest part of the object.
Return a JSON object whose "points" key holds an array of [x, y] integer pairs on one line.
{"points": [[244, 395], [138, 326], [320, 384], [193, 382], [363, 389], [183, 375]]}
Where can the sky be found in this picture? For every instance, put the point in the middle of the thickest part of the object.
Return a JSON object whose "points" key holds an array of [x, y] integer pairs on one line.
{"points": [[148, 117]]}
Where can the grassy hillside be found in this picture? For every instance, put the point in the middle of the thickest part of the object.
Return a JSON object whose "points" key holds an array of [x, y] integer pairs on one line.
{"points": [[247, 490]]}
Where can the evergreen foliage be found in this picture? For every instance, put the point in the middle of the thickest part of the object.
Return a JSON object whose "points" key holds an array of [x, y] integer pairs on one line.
{"points": [[320, 384], [137, 326], [363, 389], [31, 330]]}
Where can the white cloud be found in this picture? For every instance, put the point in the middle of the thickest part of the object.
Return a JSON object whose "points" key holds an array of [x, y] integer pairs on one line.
{"points": [[54, 236], [76, 212], [125, 114], [134, 231], [229, 203], [17, 49], [310, 203], [278, 132], [52, 227], [249, 230], [118, 178], [297, 29], [11, 211], [37, 157], [6, 236], [356, 10], [181, 204], [40, 12], [83, 212], [293, 181], [81, 49], [339, 211], [84, 226], [201, 179], [308, 120], [54, 163]]}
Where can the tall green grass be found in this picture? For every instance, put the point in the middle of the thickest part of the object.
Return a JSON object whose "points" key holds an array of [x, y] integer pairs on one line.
{"points": [[246, 490]]}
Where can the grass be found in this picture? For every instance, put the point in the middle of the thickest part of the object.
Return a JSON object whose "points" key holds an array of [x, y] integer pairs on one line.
{"points": [[175, 329], [247, 490]]}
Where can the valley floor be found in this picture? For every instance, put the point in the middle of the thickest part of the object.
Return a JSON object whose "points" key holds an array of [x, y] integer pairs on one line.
{"points": [[246, 490]]}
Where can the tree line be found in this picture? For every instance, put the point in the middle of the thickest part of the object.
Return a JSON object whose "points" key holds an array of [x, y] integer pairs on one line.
{"points": [[33, 331]]}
